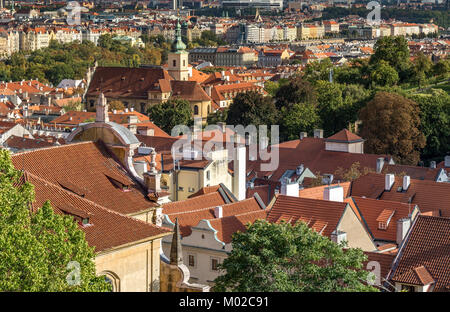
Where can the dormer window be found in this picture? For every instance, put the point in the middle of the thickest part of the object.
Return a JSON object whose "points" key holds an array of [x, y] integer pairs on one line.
{"points": [[118, 181], [80, 216]]}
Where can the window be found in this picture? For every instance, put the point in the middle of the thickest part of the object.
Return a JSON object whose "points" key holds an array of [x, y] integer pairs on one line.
{"points": [[195, 109], [408, 288], [142, 107], [191, 189], [184, 62], [180, 188], [214, 264], [174, 63], [191, 260], [125, 104], [91, 102], [208, 175]]}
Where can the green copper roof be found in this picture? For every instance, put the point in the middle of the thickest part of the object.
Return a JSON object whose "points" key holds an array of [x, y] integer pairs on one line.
{"points": [[178, 44]]}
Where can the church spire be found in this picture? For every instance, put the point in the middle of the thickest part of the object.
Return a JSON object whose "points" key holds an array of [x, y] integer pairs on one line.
{"points": [[176, 255], [178, 44]]}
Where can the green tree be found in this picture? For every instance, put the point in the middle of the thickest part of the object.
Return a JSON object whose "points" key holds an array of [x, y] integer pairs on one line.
{"points": [[391, 125], [271, 87], [252, 108], [37, 247], [384, 75], [442, 68], [116, 105], [297, 90], [217, 116], [300, 117], [422, 68], [330, 106], [395, 51], [318, 70], [290, 258], [167, 115], [435, 122]]}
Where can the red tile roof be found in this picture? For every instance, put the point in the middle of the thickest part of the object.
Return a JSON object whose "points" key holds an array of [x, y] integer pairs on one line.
{"points": [[21, 143], [344, 136], [317, 191], [126, 82], [227, 226], [375, 211], [326, 214], [192, 215], [428, 195], [107, 228], [86, 165], [425, 256], [195, 203]]}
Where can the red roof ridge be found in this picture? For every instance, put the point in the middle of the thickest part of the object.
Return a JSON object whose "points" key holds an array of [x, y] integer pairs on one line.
{"points": [[52, 147]]}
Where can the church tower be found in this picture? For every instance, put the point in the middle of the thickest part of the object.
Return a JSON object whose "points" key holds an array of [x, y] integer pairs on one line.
{"points": [[178, 57]]}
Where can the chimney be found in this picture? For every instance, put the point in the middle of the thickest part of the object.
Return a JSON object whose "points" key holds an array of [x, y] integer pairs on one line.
{"points": [[432, 164], [380, 164], [402, 228], [447, 161], [140, 166], [222, 126], [338, 236], [389, 181], [218, 212], [289, 188], [114, 111], [132, 128], [299, 169], [406, 182], [303, 135], [333, 193], [102, 109], [239, 174], [152, 177], [208, 90], [318, 133]]}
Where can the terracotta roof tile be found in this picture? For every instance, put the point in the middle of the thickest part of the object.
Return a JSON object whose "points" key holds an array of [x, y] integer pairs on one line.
{"points": [[425, 256], [107, 229], [192, 215], [428, 195], [326, 212], [86, 166]]}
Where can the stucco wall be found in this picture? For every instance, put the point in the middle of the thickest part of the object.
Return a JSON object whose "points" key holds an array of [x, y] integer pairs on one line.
{"points": [[136, 267], [357, 236]]}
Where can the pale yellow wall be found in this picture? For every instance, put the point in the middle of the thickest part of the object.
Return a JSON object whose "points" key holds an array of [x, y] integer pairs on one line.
{"points": [[188, 179], [357, 236], [137, 267]]}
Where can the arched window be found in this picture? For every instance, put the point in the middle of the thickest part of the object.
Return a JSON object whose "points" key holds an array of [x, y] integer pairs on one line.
{"points": [[174, 63], [112, 279], [195, 109]]}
